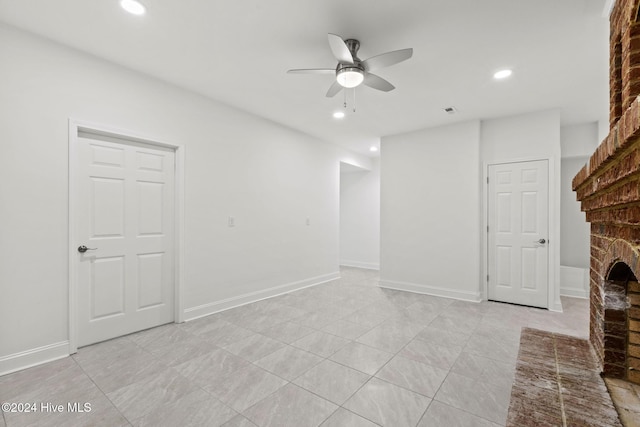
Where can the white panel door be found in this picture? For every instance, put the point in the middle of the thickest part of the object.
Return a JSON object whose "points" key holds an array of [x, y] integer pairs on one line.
{"points": [[518, 219], [125, 219]]}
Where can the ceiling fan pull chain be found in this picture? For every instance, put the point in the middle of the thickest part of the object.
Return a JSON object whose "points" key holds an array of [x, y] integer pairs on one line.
{"points": [[345, 99], [354, 99]]}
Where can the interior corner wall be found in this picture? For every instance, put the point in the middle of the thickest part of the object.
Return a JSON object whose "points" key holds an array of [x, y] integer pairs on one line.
{"points": [[360, 218], [578, 143], [531, 136], [270, 178], [579, 140], [430, 210], [575, 235]]}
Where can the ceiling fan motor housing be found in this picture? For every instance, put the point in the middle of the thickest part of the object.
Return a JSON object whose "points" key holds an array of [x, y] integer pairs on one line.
{"points": [[353, 45], [351, 75]]}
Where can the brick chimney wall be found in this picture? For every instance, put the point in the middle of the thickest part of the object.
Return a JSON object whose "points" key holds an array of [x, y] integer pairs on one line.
{"points": [[608, 187]]}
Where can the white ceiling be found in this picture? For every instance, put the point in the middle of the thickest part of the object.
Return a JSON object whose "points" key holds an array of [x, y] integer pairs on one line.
{"points": [[238, 52]]}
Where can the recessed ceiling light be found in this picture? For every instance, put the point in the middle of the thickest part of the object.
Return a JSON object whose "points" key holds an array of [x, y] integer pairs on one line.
{"points": [[338, 115], [502, 74], [133, 7], [374, 149]]}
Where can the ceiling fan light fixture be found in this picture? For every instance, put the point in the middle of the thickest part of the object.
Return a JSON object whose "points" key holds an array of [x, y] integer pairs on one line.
{"points": [[350, 77], [133, 7]]}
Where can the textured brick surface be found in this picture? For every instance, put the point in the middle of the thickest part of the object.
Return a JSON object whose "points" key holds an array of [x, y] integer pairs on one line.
{"points": [[557, 383], [608, 188]]}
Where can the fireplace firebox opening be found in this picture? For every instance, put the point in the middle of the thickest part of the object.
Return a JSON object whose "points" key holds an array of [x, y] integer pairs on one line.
{"points": [[621, 324]]}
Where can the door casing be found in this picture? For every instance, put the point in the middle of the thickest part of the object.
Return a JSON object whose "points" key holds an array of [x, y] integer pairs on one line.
{"points": [[553, 272], [77, 126]]}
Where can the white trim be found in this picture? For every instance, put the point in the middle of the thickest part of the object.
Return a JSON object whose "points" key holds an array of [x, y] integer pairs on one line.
{"points": [[36, 356], [553, 297], [217, 306], [555, 304], [484, 233], [193, 313], [179, 242], [76, 126], [574, 282], [361, 264], [431, 290], [72, 264]]}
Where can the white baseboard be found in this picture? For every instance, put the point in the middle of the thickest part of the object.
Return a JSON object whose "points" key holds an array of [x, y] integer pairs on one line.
{"points": [[556, 306], [214, 307], [574, 282], [48, 353], [431, 290], [361, 264], [36, 356]]}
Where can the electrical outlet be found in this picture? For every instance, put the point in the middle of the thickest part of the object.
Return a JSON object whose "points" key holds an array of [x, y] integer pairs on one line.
{"points": [[232, 221], [308, 221]]}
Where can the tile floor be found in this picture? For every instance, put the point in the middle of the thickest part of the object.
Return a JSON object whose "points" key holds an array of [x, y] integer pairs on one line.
{"points": [[626, 398], [345, 353]]}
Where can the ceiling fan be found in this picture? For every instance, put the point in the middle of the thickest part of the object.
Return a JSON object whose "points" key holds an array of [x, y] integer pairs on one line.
{"points": [[351, 71]]}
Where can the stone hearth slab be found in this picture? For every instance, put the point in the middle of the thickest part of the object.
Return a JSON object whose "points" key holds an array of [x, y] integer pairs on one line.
{"points": [[557, 384]]}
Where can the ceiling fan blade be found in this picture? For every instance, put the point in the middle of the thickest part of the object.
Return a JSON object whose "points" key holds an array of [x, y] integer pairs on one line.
{"points": [[340, 49], [334, 89], [377, 82], [387, 59], [312, 71]]}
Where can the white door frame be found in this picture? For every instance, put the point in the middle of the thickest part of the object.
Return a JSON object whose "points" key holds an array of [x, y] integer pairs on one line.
{"points": [[553, 302], [76, 126]]}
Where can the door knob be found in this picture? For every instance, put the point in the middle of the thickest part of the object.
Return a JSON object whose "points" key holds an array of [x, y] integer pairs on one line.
{"points": [[542, 241], [82, 249]]}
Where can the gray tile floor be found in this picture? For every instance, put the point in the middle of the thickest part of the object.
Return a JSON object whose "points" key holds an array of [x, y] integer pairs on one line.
{"points": [[345, 353]]}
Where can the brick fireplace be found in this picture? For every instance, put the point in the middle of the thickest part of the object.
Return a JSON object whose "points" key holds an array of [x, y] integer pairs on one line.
{"points": [[608, 187]]}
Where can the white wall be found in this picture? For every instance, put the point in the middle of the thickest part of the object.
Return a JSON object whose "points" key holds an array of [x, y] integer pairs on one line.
{"points": [[360, 216], [432, 201], [268, 177], [430, 210], [579, 140], [603, 129], [578, 143], [527, 137]]}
